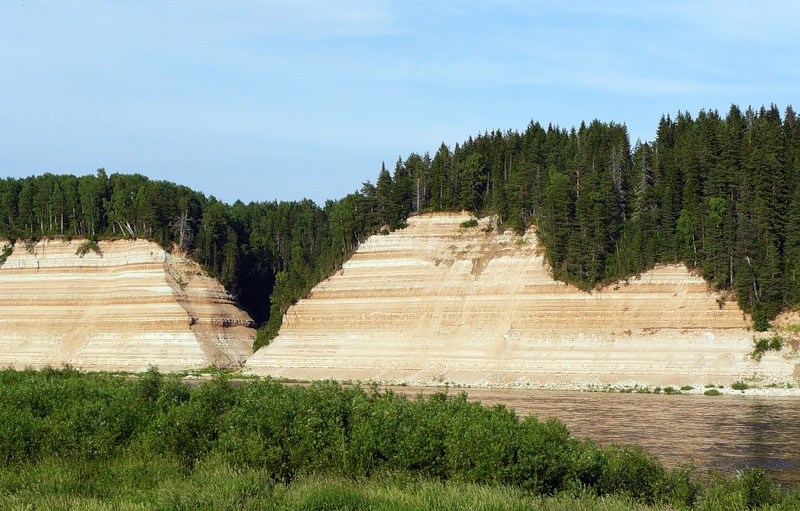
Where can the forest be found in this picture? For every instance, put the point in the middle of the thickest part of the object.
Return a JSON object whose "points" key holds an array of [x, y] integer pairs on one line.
{"points": [[718, 193]]}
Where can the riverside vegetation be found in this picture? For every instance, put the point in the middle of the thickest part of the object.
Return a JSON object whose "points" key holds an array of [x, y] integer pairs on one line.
{"points": [[70, 440], [720, 193]]}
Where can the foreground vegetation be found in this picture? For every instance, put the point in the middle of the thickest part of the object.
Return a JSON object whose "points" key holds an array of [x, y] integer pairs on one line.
{"points": [[161, 484], [72, 440]]}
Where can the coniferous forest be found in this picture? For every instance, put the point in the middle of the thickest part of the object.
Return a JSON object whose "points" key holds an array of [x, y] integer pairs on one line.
{"points": [[720, 193]]}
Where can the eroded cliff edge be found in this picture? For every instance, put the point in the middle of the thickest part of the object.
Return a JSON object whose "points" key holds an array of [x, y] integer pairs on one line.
{"points": [[126, 306], [437, 303]]}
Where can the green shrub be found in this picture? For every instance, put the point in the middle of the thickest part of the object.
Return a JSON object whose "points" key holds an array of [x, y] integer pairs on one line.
{"points": [[546, 458], [740, 385], [687, 387], [243, 440], [760, 319], [8, 249], [472, 222], [671, 390], [86, 246], [711, 392], [265, 335], [750, 489], [630, 471], [764, 345]]}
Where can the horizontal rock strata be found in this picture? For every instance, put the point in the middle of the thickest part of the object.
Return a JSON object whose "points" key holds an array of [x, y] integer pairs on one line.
{"points": [[127, 306], [440, 303]]}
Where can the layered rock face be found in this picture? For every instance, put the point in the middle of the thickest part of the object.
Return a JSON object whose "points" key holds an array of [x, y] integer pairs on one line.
{"points": [[440, 303], [127, 306]]}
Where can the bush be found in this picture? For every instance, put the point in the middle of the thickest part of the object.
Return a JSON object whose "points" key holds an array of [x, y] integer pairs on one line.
{"points": [[472, 222], [760, 320], [545, 458], [751, 489], [633, 472], [281, 433], [764, 345], [86, 246], [8, 249], [265, 335], [711, 392], [740, 385]]}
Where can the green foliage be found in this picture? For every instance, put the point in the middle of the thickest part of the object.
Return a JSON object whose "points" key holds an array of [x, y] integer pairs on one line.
{"points": [[751, 489], [265, 334], [139, 483], [763, 345], [718, 193], [244, 246], [687, 387], [711, 392], [739, 385], [8, 249], [87, 436], [472, 222], [86, 246]]}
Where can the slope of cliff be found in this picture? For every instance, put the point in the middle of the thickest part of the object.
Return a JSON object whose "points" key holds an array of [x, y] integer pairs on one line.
{"points": [[437, 302], [126, 306]]}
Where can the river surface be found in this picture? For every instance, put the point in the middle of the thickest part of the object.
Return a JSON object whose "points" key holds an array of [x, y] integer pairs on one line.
{"points": [[719, 433]]}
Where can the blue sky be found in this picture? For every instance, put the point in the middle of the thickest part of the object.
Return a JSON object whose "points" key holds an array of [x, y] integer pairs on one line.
{"points": [[286, 99]]}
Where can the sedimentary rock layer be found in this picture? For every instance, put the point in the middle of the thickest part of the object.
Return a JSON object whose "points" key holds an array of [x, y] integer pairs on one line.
{"points": [[126, 306], [440, 303]]}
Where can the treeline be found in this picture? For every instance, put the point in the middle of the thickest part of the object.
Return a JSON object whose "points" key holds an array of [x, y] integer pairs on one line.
{"points": [[288, 432], [267, 254], [721, 194]]}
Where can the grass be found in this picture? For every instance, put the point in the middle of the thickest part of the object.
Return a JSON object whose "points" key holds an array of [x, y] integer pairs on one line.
{"points": [[140, 483], [156, 484], [472, 222]]}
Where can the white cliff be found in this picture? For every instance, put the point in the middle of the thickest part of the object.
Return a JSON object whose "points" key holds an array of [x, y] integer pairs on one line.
{"points": [[440, 303]]}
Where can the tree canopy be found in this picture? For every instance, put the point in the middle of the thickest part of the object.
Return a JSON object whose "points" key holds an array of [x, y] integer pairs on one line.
{"points": [[718, 193]]}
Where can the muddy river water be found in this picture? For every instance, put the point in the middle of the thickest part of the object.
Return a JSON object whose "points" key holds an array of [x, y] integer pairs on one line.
{"points": [[721, 433]]}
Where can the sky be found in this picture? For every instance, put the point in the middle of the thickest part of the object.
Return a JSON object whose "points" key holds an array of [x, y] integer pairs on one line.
{"points": [[290, 99]]}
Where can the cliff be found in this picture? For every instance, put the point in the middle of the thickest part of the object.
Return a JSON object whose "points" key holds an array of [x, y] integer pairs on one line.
{"points": [[126, 306], [438, 303]]}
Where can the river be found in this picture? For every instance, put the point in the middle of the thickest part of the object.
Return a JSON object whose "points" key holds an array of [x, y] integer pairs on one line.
{"points": [[719, 433]]}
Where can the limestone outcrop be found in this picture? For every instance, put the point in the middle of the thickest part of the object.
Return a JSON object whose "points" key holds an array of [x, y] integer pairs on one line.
{"points": [[437, 302], [125, 306]]}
